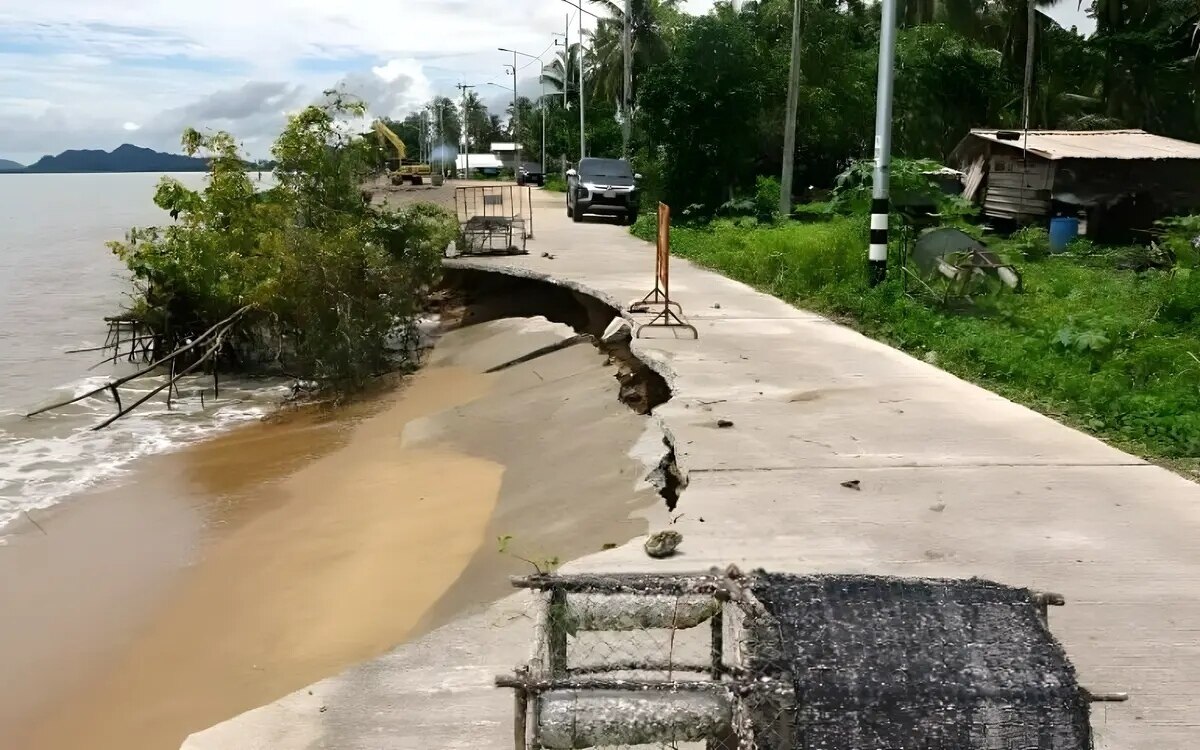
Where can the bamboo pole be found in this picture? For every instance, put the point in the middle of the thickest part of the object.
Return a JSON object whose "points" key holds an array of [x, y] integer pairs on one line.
{"points": [[213, 349], [149, 368]]}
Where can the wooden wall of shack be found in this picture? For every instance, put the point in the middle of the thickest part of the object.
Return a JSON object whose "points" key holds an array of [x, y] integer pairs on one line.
{"points": [[1118, 198]]}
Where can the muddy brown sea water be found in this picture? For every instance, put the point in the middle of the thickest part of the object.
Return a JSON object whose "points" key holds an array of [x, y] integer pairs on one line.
{"points": [[299, 546]]}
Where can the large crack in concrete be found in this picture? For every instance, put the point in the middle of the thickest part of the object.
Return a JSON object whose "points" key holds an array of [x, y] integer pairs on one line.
{"points": [[472, 296]]}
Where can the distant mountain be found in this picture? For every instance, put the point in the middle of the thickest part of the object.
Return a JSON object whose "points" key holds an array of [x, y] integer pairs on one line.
{"points": [[6, 165], [124, 158]]}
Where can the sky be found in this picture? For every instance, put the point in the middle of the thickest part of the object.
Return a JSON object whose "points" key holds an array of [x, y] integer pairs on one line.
{"points": [[99, 73]]}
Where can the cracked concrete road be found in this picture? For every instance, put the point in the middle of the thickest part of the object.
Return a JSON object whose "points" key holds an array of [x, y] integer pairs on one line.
{"points": [[955, 481]]}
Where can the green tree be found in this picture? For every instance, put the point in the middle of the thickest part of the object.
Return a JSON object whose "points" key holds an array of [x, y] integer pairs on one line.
{"points": [[317, 280], [478, 121], [945, 85], [697, 107], [651, 21], [443, 114], [562, 73]]}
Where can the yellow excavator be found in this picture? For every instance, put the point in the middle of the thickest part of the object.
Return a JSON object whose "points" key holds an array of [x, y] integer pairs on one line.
{"points": [[404, 169]]}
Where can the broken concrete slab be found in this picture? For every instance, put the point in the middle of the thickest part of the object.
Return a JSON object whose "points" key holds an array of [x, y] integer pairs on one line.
{"points": [[1023, 499]]}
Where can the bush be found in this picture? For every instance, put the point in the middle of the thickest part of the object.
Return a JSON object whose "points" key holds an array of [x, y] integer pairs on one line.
{"points": [[766, 196], [556, 183], [1181, 238], [326, 280], [1032, 242], [852, 194]]}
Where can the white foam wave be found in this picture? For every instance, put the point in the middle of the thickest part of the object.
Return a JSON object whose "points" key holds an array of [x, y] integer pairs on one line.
{"points": [[50, 457]]}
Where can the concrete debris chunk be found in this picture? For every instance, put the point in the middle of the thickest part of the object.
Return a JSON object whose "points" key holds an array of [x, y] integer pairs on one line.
{"points": [[617, 330], [663, 544]]}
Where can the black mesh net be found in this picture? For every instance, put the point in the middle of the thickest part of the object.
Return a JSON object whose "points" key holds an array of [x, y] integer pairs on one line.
{"points": [[907, 664]]}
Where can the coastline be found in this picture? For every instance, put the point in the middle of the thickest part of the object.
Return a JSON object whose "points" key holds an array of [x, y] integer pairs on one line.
{"points": [[285, 550]]}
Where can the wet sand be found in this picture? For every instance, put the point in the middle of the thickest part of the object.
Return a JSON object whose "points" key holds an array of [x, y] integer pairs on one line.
{"points": [[235, 571]]}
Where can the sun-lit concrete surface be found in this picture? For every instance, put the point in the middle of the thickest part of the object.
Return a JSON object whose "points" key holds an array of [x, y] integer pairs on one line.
{"points": [[955, 481]]}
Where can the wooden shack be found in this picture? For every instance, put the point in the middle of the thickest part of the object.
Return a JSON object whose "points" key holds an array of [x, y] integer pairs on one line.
{"points": [[1117, 181]]}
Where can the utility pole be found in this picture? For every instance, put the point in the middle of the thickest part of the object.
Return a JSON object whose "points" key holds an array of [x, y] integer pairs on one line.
{"points": [[1029, 34], [466, 130], [516, 112], [1027, 104], [582, 139], [516, 118], [441, 141], [424, 140], [626, 109], [789, 123], [878, 250], [542, 105], [566, 77]]}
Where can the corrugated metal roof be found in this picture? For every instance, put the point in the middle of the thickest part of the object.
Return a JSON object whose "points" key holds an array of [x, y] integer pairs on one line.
{"points": [[1098, 144]]}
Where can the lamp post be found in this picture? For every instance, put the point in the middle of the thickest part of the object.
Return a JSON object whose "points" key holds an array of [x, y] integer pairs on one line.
{"points": [[578, 6], [516, 111], [466, 130]]}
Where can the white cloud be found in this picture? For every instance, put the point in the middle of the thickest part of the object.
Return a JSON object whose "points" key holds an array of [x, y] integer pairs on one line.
{"points": [[83, 69], [131, 126]]}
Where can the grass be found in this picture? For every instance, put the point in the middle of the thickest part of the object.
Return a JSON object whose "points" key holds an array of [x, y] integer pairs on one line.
{"points": [[556, 183], [1113, 352]]}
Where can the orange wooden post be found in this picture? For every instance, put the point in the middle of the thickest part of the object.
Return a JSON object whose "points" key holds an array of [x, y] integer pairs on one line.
{"points": [[661, 294]]}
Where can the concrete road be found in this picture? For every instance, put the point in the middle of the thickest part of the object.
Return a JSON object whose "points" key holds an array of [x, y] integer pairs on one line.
{"points": [[955, 481]]}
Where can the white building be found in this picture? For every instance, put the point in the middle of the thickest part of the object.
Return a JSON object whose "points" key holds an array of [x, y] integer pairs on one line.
{"points": [[484, 163]]}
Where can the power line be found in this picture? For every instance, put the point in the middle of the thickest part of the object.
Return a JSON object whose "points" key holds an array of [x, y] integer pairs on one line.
{"points": [[538, 58], [579, 7]]}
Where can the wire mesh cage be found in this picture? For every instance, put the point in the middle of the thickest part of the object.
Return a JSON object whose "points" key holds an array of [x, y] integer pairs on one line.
{"points": [[781, 662], [493, 219]]}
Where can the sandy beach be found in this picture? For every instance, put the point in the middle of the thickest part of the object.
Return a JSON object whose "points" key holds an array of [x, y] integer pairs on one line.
{"points": [[237, 570]]}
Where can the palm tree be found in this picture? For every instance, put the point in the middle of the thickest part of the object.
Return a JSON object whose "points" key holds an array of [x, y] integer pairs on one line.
{"points": [[562, 74], [475, 118], [648, 41]]}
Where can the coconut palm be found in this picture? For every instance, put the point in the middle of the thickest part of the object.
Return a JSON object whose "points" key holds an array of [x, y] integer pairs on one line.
{"points": [[649, 20], [561, 76]]}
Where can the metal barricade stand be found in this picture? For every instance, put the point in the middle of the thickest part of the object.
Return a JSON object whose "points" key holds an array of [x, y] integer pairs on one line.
{"points": [[668, 315], [493, 219]]}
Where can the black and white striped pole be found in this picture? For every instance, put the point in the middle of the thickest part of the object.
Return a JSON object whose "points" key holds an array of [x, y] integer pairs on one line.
{"points": [[877, 253]]}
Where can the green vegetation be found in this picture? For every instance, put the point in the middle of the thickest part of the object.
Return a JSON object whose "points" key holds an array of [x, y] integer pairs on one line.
{"points": [[320, 284], [1103, 338], [1091, 341], [709, 104], [555, 183], [541, 565]]}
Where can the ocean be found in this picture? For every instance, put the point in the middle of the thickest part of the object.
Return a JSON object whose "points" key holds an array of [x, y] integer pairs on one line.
{"points": [[57, 283]]}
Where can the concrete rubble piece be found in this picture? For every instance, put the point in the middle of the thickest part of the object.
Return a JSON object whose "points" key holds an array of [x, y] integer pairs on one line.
{"points": [[954, 482]]}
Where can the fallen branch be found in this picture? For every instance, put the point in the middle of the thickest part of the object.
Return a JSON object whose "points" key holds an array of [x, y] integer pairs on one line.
{"points": [[115, 344], [171, 382], [149, 368]]}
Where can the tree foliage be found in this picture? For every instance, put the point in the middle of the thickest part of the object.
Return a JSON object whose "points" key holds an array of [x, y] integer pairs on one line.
{"points": [[695, 107], [328, 279], [711, 100]]}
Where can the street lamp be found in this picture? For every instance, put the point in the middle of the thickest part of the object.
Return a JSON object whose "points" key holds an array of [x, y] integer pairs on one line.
{"points": [[516, 111]]}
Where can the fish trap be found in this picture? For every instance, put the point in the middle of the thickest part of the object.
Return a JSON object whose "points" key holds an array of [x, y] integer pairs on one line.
{"points": [[726, 661], [493, 219]]}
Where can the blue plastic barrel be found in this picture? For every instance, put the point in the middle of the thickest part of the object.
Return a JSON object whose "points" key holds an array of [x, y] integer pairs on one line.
{"points": [[1063, 229]]}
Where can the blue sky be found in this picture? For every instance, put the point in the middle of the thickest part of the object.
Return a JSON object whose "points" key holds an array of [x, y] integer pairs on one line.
{"points": [[88, 74]]}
